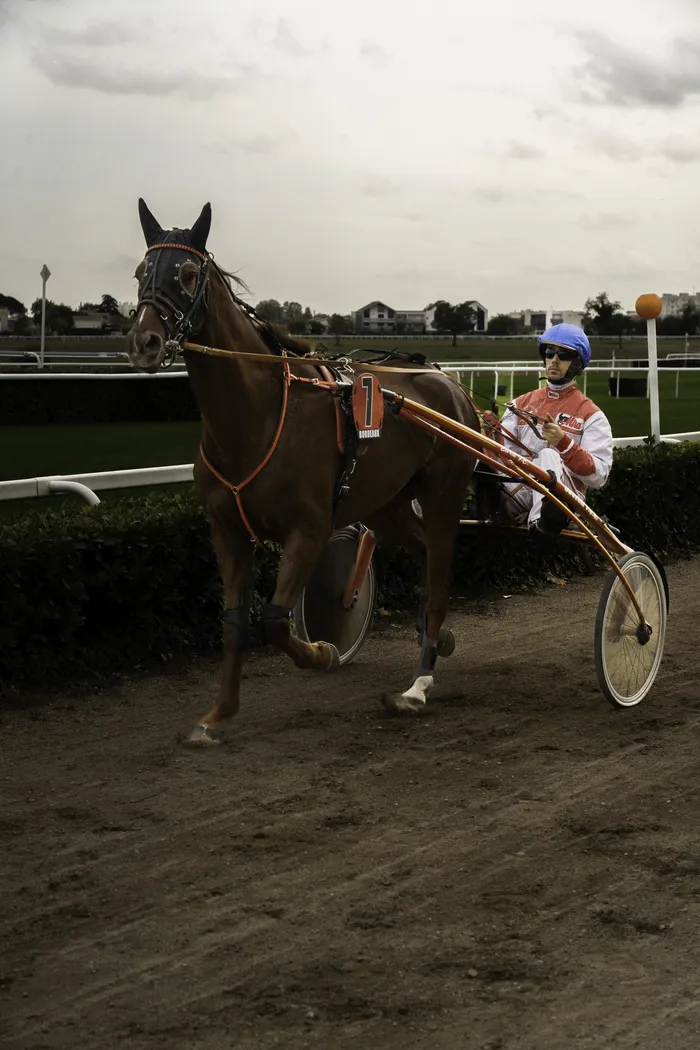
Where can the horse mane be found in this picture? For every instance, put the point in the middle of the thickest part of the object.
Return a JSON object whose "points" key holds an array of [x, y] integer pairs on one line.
{"points": [[273, 336]]}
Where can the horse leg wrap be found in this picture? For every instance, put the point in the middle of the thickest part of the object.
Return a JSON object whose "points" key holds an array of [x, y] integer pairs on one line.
{"points": [[273, 616], [428, 657], [240, 618]]}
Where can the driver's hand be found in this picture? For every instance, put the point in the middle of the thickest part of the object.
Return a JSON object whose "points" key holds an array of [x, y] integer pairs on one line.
{"points": [[551, 432]]}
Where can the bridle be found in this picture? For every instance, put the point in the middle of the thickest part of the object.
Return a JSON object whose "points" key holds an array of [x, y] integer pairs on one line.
{"points": [[179, 324]]}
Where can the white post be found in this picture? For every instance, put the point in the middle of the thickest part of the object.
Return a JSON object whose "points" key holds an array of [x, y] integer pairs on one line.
{"points": [[45, 274], [585, 382], [678, 375], [495, 386], [512, 380], [653, 380]]}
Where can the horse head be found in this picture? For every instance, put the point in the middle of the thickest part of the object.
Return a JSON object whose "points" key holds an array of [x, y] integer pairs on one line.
{"points": [[173, 281]]}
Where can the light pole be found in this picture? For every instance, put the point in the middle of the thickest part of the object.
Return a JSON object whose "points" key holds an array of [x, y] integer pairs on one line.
{"points": [[649, 307], [45, 274]]}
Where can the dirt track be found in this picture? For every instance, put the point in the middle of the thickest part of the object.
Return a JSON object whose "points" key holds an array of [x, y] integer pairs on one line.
{"points": [[520, 869]]}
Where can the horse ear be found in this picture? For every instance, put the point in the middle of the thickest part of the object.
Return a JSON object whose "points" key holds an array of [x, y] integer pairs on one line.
{"points": [[200, 230], [152, 229]]}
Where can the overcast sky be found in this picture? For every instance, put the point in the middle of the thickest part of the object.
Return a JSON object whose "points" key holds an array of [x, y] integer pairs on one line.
{"points": [[525, 153]]}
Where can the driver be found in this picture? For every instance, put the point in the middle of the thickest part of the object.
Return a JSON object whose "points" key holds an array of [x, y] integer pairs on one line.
{"points": [[576, 439]]}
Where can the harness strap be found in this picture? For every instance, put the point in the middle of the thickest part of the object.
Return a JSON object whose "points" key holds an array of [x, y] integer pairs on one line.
{"points": [[237, 489], [182, 247]]}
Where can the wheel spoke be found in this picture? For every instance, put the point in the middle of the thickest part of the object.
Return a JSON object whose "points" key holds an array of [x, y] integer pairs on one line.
{"points": [[626, 667]]}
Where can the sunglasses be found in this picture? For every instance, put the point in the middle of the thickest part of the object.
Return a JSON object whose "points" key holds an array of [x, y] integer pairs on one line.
{"points": [[563, 355]]}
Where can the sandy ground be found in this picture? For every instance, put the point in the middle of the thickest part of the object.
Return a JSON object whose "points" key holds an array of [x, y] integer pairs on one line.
{"points": [[520, 869]]}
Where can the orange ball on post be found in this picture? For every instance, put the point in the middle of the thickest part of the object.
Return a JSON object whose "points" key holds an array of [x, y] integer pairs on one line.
{"points": [[648, 306]]}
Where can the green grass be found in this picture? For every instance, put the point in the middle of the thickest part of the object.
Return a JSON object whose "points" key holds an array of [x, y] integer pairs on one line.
{"points": [[28, 452], [80, 449]]}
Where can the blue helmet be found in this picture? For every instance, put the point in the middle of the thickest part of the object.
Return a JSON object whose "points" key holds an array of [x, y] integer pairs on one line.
{"points": [[571, 337]]}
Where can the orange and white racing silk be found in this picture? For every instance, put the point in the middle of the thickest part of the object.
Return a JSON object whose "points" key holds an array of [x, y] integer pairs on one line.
{"points": [[586, 449]]}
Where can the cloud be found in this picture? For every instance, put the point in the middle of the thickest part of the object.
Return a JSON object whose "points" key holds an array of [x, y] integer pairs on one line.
{"points": [[115, 80], [16, 10], [616, 147], [605, 221], [375, 53], [285, 40], [377, 186], [261, 145], [617, 75], [412, 273], [494, 195], [95, 34], [521, 151], [620, 148], [680, 152]]}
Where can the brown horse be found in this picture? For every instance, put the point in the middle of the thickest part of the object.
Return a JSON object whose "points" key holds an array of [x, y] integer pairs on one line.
{"points": [[184, 294]]}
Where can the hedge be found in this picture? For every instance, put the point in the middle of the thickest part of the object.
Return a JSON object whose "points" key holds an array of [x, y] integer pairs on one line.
{"points": [[37, 401], [86, 590]]}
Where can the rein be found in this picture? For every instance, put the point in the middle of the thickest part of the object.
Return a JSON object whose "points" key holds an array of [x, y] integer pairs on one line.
{"points": [[328, 362]]}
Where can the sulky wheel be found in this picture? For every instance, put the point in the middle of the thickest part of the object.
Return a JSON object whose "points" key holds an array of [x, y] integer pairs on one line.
{"points": [[319, 614], [627, 658]]}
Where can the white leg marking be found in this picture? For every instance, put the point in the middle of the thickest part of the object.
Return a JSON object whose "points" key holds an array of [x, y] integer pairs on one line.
{"points": [[420, 688], [142, 315]]}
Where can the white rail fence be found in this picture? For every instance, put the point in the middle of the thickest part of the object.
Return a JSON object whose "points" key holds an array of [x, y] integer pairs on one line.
{"points": [[88, 485]]}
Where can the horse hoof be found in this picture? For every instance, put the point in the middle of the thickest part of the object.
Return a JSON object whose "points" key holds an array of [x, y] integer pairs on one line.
{"points": [[446, 643], [205, 736], [335, 658], [410, 706]]}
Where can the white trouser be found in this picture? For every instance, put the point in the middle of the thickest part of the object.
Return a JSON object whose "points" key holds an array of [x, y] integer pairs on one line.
{"points": [[522, 499]]}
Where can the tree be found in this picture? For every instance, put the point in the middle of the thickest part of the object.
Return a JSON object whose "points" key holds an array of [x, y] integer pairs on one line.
{"points": [[502, 324], [454, 319], [109, 305], [19, 325], [316, 328], [270, 310], [296, 327], [59, 317], [688, 321], [604, 315], [292, 312], [339, 325], [8, 302]]}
